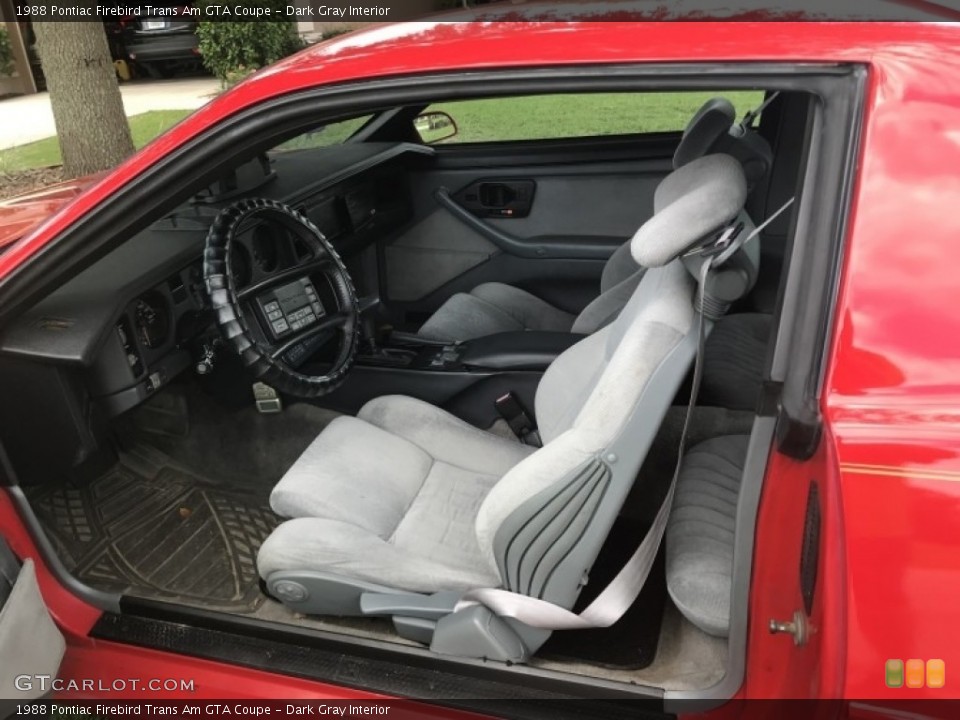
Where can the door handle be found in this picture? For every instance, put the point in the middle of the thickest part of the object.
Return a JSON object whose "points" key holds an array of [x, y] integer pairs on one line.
{"points": [[496, 195], [506, 198]]}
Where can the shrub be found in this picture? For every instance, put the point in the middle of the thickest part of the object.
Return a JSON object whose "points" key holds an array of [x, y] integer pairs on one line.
{"points": [[232, 49], [236, 75], [331, 33], [6, 53]]}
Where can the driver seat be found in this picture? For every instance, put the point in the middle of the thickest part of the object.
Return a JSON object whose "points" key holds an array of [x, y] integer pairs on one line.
{"points": [[400, 510]]}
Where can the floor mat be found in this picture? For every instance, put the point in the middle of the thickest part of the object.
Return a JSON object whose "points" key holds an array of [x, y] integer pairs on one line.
{"points": [[151, 529], [631, 642], [223, 444]]}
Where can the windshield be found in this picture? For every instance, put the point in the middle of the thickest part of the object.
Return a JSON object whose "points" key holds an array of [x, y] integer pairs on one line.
{"points": [[334, 133]]}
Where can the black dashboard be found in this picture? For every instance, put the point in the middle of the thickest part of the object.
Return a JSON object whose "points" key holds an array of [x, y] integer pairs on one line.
{"points": [[133, 320]]}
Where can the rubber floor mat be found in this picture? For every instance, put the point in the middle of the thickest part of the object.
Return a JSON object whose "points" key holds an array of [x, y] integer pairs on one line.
{"points": [[631, 642], [157, 531]]}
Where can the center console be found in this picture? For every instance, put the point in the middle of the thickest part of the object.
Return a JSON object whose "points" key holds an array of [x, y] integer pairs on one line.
{"points": [[465, 378], [408, 352], [510, 351]]}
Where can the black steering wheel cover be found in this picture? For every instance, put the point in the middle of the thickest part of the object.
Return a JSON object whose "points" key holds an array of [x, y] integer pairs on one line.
{"points": [[234, 324]]}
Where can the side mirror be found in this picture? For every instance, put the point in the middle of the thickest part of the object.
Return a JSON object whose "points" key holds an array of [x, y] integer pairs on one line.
{"points": [[435, 126]]}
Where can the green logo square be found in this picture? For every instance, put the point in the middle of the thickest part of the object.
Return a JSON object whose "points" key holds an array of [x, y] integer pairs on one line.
{"points": [[894, 673]]}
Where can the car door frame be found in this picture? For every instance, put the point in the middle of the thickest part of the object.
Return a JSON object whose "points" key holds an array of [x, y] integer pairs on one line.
{"points": [[31, 645], [791, 411]]}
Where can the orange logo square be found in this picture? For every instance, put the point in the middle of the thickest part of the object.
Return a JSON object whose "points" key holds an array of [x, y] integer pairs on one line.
{"points": [[936, 673], [914, 674]]}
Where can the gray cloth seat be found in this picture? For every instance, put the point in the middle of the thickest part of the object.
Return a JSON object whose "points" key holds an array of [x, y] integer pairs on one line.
{"points": [[700, 532], [492, 308], [498, 307], [734, 360], [392, 494], [397, 511]]}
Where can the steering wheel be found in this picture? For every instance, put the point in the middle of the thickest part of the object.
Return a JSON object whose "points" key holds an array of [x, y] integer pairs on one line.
{"points": [[277, 320]]}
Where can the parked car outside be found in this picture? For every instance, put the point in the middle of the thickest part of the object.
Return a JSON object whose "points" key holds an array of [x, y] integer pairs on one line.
{"points": [[160, 44]]}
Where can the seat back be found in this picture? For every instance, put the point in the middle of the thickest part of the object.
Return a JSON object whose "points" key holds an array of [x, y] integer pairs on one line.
{"points": [[601, 402], [714, 129], [711, 130]]}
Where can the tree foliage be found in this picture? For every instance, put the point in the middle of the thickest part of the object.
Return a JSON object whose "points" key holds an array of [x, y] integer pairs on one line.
{"points": [[232, 49], [6, 53]]}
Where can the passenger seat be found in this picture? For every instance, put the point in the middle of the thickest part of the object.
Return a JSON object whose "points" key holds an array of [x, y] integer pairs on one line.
{"points": [[700, 532]]}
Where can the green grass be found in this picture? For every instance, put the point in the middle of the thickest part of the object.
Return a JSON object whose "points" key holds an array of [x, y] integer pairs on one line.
{"points": [[523, 118], [43, 153], [559, 116]]}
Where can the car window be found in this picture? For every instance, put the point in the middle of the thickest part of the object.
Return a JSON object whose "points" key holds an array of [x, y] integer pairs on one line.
{"points": [[545, 117], [324, 135]]}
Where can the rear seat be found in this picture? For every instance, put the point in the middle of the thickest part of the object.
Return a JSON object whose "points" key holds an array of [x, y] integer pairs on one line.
{"points": [[734, 359], [700, 532]]}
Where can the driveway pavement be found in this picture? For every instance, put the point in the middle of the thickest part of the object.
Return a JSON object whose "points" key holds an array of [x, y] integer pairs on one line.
{"points": [[26, 118]]}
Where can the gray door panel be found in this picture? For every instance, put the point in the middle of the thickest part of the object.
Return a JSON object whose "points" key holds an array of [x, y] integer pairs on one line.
{"points": [[30, 643], [587, 206], [600, 203], [433, 252]]}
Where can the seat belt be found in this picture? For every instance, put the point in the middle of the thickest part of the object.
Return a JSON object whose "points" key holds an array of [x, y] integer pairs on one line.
{"points": [[751, 115], [617, 597], [510, 409]]}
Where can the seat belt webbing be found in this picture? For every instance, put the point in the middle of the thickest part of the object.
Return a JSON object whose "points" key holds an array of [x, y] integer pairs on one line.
{"points": [[617, 597]]}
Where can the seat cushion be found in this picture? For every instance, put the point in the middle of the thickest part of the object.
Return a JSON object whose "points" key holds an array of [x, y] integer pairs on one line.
{"points": [[442, 436], [342, 475], [341, 548], [700, 532], [391, 497], [493, 308]]}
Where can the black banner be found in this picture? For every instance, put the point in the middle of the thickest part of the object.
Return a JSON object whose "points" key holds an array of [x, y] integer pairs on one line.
{"points": [[361, 11], [547, 710]]}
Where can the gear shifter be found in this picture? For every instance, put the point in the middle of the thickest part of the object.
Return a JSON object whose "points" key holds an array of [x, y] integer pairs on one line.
{"points": [[368, 326], [372, 352]]}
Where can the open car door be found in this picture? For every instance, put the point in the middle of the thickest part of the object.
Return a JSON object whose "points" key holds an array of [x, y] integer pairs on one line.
{"points": [[31, 646]]}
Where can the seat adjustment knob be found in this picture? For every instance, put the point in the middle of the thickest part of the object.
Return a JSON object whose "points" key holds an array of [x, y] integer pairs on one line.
{"points": [[290, 591]]}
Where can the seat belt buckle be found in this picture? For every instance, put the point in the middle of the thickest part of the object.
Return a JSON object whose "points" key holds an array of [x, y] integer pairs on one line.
{"points": [[510, 409]]}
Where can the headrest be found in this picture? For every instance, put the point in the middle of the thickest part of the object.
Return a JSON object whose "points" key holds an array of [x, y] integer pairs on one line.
{"points": [[713, 129], [710, 123], [690, 205]]}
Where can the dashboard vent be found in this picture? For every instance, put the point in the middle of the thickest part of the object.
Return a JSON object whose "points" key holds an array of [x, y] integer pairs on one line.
{"points": [[55, 324]]}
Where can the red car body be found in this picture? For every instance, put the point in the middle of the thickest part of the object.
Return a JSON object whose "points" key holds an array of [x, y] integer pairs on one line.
{"points": [[889, 460]]}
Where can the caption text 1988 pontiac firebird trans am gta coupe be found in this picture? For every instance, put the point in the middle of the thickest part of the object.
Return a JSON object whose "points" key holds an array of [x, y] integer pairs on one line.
{"points": [[335, 390]]}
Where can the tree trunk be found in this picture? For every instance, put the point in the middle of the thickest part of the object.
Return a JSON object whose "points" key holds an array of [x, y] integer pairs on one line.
{"points": [[87, 108]]}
